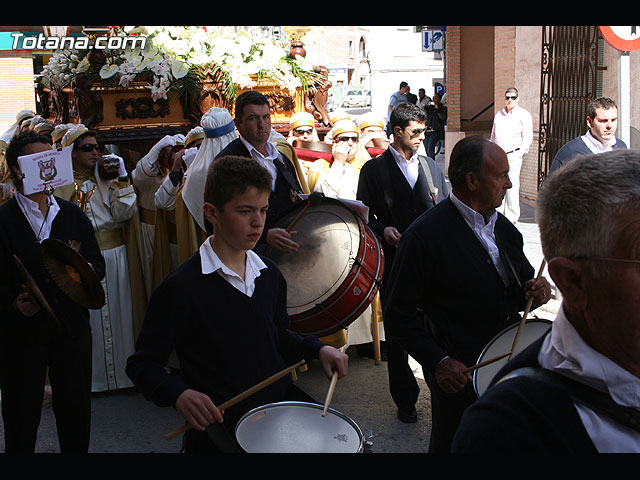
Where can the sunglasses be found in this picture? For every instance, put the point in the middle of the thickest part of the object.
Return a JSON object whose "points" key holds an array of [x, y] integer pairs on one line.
{"points": [[414, 132], [302, 131], [511, 97], [346, 139], [88, 147]]}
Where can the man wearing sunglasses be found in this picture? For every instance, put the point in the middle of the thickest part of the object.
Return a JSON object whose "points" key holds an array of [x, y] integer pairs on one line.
{"points": [[302, 127], [111, 207], [513, 132], [398, 186]]}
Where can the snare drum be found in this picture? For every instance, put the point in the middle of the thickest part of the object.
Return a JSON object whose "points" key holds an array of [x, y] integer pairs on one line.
{"points": [[336, 272], [501, 344], [298, 427]]}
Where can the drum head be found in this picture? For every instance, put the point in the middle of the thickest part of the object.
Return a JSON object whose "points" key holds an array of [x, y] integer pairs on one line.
{"points": [[297, 427], [501, 344], [329, 239]]}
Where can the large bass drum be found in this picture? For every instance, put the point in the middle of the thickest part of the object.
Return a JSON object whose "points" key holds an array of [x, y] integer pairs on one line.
{"points": [[298, 427], [336, 272], [501, 344]]}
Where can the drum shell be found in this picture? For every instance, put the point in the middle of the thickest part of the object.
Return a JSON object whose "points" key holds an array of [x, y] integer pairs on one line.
{"points": [[298, 427], [343, 301], [502, 343]]}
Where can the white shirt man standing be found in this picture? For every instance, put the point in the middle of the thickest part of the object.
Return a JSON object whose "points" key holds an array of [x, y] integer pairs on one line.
{"points": [[513, 132]]}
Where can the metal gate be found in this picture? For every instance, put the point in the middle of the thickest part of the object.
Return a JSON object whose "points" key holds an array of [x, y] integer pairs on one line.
{"points": [[570, 78]]}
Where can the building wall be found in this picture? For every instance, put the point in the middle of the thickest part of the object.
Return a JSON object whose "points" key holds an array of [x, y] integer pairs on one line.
{"points": [[515, 61], [16, 85]]}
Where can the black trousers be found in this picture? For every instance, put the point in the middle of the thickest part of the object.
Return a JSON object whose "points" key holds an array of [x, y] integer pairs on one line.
{"points": [[446, 413], [403, 387], [220, 437], [25, 356]]}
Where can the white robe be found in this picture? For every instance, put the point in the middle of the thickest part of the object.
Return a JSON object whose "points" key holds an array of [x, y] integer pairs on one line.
{"points": [[147, 178], [112, 326]]}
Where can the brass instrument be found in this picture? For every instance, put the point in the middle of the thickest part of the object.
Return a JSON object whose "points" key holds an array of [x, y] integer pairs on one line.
{"points": [[80, 197]]}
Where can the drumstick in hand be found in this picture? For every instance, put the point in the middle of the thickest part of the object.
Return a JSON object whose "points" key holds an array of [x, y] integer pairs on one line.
{"points": [[241, 396], [526, 312], [314, 199], [332, 386], [486, 362]]}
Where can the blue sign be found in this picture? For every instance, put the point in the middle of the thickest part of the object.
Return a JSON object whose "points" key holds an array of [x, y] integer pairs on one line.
{"points": [[432, 40], [438, 89]]}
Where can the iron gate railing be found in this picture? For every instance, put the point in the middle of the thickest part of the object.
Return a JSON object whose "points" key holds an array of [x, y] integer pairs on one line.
{"points": [[569, 80]]}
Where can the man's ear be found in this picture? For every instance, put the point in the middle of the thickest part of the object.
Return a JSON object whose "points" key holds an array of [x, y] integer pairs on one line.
{"points": [[568, 275], [471, 181], [210, 212]]}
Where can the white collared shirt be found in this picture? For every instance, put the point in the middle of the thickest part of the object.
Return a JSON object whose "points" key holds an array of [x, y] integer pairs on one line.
{"points": [[484, 231], [564, 351], [513, 130], [409, 168], [210, 262], [40, 224], [594, 144], [266, 161]]}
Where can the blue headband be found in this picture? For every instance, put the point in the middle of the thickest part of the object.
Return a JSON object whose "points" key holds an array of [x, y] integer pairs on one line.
{"points": [[219, 131]]}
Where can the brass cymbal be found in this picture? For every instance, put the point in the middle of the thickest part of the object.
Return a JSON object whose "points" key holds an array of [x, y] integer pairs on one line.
{"points": [[34, 291], [72, 273]]}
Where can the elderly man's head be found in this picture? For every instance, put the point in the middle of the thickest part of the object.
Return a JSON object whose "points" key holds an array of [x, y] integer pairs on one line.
{"points": [[479, 173], [588, 213]]}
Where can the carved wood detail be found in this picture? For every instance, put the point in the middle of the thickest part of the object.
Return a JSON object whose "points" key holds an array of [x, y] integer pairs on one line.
{"points": [[138, 108]]}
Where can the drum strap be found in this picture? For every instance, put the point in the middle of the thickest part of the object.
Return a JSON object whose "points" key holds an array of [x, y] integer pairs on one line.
{"points": [[596, 400], [505, 257], [286, 174], [427, 172]]}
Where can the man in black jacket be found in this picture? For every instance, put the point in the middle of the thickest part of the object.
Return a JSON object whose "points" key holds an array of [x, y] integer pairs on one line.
{"points": [[252, 117], [589, 216], [398, 186], [30, 341], [462, 263]]}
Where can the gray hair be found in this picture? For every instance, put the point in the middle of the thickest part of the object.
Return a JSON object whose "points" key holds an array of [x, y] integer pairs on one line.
{"points": [[578, 205]]}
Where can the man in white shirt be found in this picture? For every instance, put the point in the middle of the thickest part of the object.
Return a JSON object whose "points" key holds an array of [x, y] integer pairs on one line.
{"points": [[470, 282], [513, 131], [252, 118], [398, 188], [602, 123], [589, 217]]}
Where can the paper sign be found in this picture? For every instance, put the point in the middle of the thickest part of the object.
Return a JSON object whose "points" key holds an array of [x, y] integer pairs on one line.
{"points": [[52, 168]]}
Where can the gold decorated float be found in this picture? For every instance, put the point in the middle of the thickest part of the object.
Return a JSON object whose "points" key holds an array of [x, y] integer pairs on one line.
{"points": [[132, 98]]}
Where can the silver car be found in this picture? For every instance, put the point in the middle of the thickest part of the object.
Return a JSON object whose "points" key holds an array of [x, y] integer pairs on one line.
{"points": [[356, 97]]}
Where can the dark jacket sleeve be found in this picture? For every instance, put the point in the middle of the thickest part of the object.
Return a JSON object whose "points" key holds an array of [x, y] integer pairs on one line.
{"points": [[369, 193], [156, 341], [402, 302]]}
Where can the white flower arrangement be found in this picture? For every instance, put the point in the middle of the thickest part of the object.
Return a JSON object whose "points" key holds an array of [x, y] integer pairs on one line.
{"points": [[171, 52]]}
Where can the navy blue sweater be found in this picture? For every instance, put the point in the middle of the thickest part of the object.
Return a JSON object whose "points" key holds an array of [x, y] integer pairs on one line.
{"points": [[226, 341]]}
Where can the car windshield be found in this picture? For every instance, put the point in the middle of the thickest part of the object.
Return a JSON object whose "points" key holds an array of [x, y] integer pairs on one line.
{"points": [[354, 92]]}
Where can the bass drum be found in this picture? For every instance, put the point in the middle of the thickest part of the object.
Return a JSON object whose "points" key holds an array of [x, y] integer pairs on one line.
{"points": [[501, 344], [336, 272], [298, 427]]}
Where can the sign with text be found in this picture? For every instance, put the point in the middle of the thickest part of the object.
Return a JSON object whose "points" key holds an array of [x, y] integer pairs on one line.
{"points": [[52, 168]]}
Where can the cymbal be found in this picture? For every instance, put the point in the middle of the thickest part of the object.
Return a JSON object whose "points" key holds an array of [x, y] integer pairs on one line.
{"points": [[73, 274], [34, 291]]}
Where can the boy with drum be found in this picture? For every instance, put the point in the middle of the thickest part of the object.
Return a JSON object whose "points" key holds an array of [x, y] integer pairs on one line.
{"points": [[224, 312]]}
